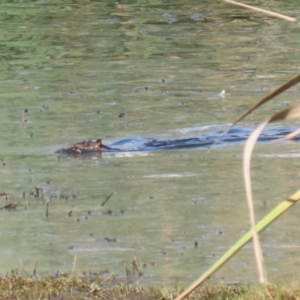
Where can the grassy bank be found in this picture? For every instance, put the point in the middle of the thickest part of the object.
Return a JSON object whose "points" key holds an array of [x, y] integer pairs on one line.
{"points": [[103, 285]]}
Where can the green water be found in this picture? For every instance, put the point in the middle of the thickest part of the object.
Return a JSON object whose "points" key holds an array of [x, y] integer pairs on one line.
{"points": [[69, 70]]}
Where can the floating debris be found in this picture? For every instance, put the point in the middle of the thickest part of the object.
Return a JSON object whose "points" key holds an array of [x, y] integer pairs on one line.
{"points": [[107, 198], [163, 87], [197, 17], [4, 195], [10, 206], [47, 209], [110, 240], [36, 192], [136, 267], [169, 18], [107, 212], [111, 21], [34, 270], [222, 94]]}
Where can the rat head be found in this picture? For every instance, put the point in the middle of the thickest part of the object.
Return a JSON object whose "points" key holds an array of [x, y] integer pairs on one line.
{"points": [[100, 145]]}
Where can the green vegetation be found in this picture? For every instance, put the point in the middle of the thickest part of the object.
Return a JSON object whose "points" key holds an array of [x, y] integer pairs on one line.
{"points": [[104, 285]]}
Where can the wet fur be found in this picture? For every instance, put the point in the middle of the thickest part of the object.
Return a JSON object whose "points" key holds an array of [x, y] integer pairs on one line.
{"points": [[87, 147]]}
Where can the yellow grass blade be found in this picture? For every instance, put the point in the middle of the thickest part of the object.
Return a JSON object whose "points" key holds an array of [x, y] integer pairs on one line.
{"points": [[275, 93], [247, 178], [267, 12], [264, 223], [292, 135], [288, 114]]}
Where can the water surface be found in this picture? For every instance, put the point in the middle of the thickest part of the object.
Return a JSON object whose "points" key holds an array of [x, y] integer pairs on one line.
{"points": [[72, 72]]}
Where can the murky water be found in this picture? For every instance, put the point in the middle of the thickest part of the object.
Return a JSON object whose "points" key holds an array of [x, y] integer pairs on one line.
{"points": [[71, 72]]}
